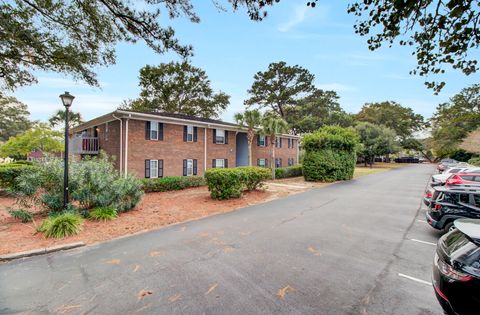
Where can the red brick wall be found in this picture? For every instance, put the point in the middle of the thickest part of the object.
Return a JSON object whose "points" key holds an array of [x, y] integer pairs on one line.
{"points": [[110, 141], [172, 150], [221, 151], [266, 152]]}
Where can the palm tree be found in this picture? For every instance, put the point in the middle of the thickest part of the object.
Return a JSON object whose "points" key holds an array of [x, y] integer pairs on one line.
{"points": [[74, 119], [271, 127], [250, 119]]}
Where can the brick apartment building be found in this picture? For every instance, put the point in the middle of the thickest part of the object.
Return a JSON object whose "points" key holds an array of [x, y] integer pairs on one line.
{"points": [[163, 144]]}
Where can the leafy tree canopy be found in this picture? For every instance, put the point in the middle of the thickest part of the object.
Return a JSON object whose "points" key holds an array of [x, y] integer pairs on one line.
{"points": [[442, 32], [58, 119], [453, 120], [178, 88], [320, 108], [279, 87], [40, 137], [402, 120], [13, 117], [75, 37], [375, 140]]}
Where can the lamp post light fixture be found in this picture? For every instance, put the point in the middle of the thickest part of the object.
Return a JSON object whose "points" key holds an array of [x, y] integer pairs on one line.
{"points": [[67, 100]]}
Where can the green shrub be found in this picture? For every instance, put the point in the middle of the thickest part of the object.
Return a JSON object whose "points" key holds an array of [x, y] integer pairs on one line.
{"points": [[103, 213], [290, 171], [171, 183], [255, 177], [475, 161], [330, 154], [61, 225], [225, 183], [92, 183], [22, 215], [10, 172]]}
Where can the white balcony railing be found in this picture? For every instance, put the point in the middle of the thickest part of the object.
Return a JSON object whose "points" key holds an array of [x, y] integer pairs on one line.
{"points": [[84, 145]]}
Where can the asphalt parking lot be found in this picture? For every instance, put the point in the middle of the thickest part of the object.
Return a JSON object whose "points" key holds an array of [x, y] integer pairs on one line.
{"points": [[357, 247]]}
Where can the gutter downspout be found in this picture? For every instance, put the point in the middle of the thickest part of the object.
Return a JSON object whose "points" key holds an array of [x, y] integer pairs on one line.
{"points": [[126, 147], [121, 138], [205, 150]]}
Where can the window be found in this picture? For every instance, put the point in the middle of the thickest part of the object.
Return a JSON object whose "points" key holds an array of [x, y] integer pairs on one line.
{"points": [[290, 161], [153, 168], [278, 162], [190, 134], [220, 136], [278, 142], [262, 141], [477, 200], [153, 130], [454, 170], [189, 167], [262, 162], [219, 163]]}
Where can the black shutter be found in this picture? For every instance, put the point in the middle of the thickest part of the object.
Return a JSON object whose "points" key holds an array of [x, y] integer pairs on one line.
{"points": [[213, 163], [194, 167], [266, 141], [258, 162], [185, 134], [225, 163], [214, 135], [280, 162], [280, 143], [160, 168], [184, 167], [226, 136], [266, 162], [293, 143], [195, 131], [147, 130], [160, 131], [258, 140], [147, 168]]}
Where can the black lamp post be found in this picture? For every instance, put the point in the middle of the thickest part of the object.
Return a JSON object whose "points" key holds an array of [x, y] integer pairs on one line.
{"points": [[67, 100]]}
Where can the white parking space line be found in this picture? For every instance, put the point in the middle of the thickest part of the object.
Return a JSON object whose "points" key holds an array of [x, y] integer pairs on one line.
{"points": [[414, 279], [423, 242], [423, 221]]}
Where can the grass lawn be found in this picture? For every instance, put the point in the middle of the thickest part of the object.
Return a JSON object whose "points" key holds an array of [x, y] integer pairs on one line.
{"points": [[361, 170]]}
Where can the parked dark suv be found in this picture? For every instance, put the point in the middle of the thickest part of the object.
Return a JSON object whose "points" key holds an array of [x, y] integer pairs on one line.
{"points": [[450, 203], [456, 269]]}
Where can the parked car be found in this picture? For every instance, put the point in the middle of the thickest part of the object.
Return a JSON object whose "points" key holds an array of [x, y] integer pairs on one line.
{"points": [[445, 163], [440, 179], [463, 179], [450, 203], [456, 269]]}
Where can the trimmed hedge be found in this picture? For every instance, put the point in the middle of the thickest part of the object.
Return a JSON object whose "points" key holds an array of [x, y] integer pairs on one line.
{"points": [[475, 161], [171, 183], [286, 172], [9, 172], [226, 183], [330, 154]]}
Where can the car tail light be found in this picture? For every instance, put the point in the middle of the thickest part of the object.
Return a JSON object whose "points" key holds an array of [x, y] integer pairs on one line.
{"points": [[429, 194], [454, 180], [450, 273], [437, 207]]}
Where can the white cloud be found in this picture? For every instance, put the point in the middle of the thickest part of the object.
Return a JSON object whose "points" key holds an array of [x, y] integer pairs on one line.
{"points": [[297, 18], [338, 87]]}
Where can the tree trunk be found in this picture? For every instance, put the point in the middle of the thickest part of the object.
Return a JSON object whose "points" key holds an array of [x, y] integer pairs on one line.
{"points": [[272, 144], [250, 136]]}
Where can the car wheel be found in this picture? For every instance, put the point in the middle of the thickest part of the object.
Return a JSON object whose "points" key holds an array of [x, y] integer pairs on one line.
{"points": [[448, 227]]}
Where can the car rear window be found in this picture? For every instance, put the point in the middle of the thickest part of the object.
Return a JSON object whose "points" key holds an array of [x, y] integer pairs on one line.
{"points": [[476, 198], [468, 177], [454, 170]]}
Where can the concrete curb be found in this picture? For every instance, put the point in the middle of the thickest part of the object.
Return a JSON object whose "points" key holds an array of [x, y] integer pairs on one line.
{"points": [[40, 251]]}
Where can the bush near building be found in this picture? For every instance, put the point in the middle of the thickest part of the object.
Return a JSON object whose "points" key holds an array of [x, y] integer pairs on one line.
{"points": [[171, 183], [9, 172], [291, 171], [330, 154], [226, 183]]}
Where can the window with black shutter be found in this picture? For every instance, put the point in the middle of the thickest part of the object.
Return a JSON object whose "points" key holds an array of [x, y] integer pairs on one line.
{"points": [[194, 167], [160, 131], [226, 136], [195, 134], [185, 133], [147, 130], [147, 168], [160, 168], [225, 163], [214, 135], [184, 167]]}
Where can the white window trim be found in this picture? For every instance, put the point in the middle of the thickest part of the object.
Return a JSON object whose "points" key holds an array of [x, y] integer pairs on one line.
{"points": [[189, 167], [190, 131], [222, 137], [264, 139], [222, 162], [153, 169], [153, 127], [260, 162]]}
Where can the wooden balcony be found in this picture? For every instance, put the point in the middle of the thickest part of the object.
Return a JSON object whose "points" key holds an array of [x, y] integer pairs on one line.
{"points": [[84, 145]]}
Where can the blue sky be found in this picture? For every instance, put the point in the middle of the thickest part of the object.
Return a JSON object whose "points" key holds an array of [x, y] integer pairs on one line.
{"points": [[231, 49]]}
